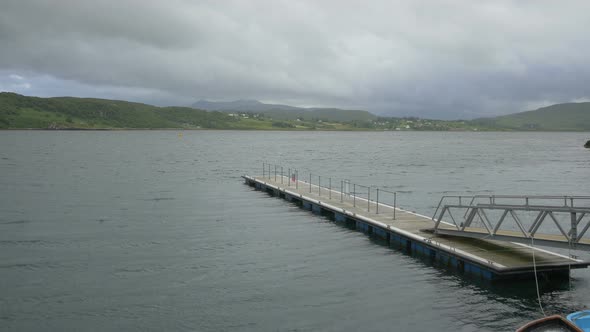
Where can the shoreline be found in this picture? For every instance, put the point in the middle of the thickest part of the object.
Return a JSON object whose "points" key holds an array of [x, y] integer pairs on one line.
{"points": [[290, 130]]}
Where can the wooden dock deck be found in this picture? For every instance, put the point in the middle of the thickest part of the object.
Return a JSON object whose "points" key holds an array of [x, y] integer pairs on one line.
{"points": [[412, 232]]}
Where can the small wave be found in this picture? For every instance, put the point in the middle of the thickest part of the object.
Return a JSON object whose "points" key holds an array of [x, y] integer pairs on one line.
{"points": [[131, 271], [16, 222], [33, 266], [31, 243], [19, 242], [160, 199], [25, 266]]}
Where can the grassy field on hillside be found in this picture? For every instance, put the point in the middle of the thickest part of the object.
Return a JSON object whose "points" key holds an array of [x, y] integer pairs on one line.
{"points": [[17, 111]]}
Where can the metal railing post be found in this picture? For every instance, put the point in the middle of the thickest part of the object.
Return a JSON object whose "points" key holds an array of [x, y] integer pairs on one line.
{"points": [[296, 179], [377, 201], [394, 203], [368, 199], [341, 190], [354, 194], [289, 180], [275, 173], [269, 171], [573, 235]]}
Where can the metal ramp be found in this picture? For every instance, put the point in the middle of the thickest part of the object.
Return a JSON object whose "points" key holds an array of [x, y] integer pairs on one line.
{"points": [[556, 221]]}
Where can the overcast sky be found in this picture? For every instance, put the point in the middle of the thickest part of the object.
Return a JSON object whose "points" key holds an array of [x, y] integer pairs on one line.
{"points": [[440, 59]]}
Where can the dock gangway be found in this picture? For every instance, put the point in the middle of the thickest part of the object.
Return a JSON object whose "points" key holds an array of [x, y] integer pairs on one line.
{"points": [[555, 221]]}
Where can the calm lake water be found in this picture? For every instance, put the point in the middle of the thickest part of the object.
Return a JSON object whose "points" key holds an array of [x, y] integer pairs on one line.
{"points": [[147, 230]]}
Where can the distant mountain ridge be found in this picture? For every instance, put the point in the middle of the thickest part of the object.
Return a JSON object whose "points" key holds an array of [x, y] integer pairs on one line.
{"points": [[242, 105], [285, 112]]}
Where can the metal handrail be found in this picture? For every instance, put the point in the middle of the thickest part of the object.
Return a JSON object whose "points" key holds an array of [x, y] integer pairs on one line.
{"points": [[294, 173], [527, 199], [547, 207], [368, 195], [394, 200]]}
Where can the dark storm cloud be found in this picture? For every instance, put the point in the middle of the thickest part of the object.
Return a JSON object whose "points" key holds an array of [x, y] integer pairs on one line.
{"points": [[439, 59]]}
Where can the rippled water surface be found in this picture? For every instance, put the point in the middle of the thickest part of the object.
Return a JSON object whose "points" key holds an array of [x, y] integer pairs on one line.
{"points": [[149, 230]]}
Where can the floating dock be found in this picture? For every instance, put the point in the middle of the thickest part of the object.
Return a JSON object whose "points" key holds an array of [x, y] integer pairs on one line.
{"points": [[413, 233]]}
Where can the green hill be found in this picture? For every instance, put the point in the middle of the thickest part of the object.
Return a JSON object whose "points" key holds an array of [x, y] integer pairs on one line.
{"points": [[559, 117], [17, 111]]}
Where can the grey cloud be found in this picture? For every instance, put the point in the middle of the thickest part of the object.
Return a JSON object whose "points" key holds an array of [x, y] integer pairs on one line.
{"points": [[424, 58]]}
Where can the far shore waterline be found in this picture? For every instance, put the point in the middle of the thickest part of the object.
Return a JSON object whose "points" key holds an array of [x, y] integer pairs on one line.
{"points": [[294, 130]]}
